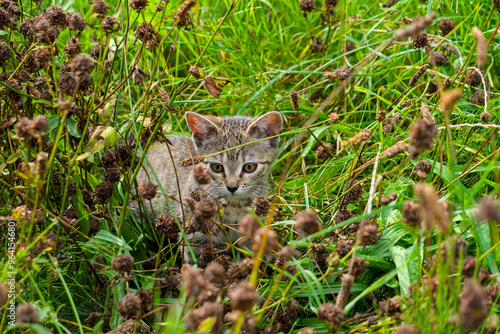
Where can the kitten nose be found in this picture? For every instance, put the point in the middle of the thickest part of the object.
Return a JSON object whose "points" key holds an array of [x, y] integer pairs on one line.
{"points": [[232, 189]]}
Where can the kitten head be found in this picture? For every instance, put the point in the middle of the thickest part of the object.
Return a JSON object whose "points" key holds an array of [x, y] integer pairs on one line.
{"points": [[239, 174]]}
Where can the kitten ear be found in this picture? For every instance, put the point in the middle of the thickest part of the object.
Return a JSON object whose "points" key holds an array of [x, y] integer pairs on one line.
{"points": [[267, 125], [201, 128]]}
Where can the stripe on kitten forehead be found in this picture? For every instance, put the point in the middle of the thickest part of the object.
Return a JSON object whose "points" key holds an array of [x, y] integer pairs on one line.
{"points": [[238, 176]]}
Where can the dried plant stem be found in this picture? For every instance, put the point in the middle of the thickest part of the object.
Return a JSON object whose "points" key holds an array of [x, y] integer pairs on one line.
{"points": [[475, 125], [375, 181]]}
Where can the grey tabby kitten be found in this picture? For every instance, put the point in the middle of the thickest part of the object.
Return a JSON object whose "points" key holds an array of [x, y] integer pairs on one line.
{"points": [[237, 176]]}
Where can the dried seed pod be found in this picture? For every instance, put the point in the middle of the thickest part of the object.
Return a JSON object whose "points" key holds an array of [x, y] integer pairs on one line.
{"points": [[474, 306], [181, 16], [295, 100], [215, 273], [438, 58], [360, 138], [345, 289], [146, 297], [110, 24], [394, 150], [418, 75], [130, 307], [419, 41], [323, 152], [343, 247], [307, 5], [334, 314], [485, 117], [389, 198], [123, 263], [432, 211], [380, 115], [342, 73], [449, 100], [390, 306], [192, 161], [417, 26], [422, 135], [147, 190], [358, 266], [271, 243], [145, 32], [167, 225], [474, 78], [243, 297], [204, 209], [138, 5], [482, 46], [446, 26], [248, 226], [477, 98], [103, 192], [100, 8], [333, 117], [201, 175], [368, 235], [75, 21], [411, 213], [316, 45], [261, 206], [307, 223]]}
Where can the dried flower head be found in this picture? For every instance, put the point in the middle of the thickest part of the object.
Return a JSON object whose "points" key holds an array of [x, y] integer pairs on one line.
{"points": [[358, 265], [243, 297], [75, 22], [411, 213], [110, 24], [432, 211], [248, 226], [323, 151], [474, 77], [319, 254], [72, 48], [488, 210], [418, 75], [307, 223], [392, 151], [380, 115], [27, 313], [422, 169], [192, 161], [333, 118], [146, 297], [201, 175], [206, 311], [194, 281], [147, 190], [112, 174], [390, 306], [348, 48], [482, 46], [316, 45], [474, 306], [204, 209], [446, 26], [5, 52], [100, 8], [438, 58], [130, 306], [145, 32], [419, 41], [485, 117], [478, 98], [167, 225], [265, 238], [56, 16], [261, 206], [39, 125], [332, 313], [417, 26], [359, 138], [123, 263], [181, 16], [295, 100], [194, 71], [307, 5], [345, 288], [422, 135], [103, 192], [215, 273], [388, 199], [138, 5], [342, 73], [368, 235]]}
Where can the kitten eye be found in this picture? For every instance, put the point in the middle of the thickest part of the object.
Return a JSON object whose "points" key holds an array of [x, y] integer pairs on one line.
{"points": [[216, 167], [249, 167]]}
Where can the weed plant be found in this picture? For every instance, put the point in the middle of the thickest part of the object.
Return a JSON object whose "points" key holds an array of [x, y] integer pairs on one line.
{"points": [[384, 214]]}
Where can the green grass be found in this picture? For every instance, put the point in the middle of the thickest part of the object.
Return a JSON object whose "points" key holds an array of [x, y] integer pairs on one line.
{"points": [[264, 49]]}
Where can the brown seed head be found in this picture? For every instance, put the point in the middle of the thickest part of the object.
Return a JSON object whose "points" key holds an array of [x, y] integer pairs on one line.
{"points": [[422, 135], [482, 47], [145, 32], [194, 281], [438, 58], [432, 211], [201, 175], [110, 24], [342, 73], [488, 210], [123, 263], [215, 273], [72, 48], [331, 313], [75, 22], [474, 78], [5, 52], [295, 100], [192, 161], [368, 235], [360, 138], [39, 125], [195, 71], [100, 8], [390, 306], [248, 226], [138, 5], [323, 151], [261, 206], [380, 115], [204, 209], [306, 5], [56, 16], [243, 297], [419, 41], [316, 45], [358, 266], [27, 313], [416, 76], [146, 297], [392, 151], [474, 306], [268, 236], [147, 190], [389, 198], [181, 16], [167, 225], [343, 247], [411, 213], [477, 98], [422, 169], [345, 289], [307, 223], [82, 63], [130, 306], [417, 26], [485, 117], [207, 310], [333, 117], [446, 26], [103, 192]]}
